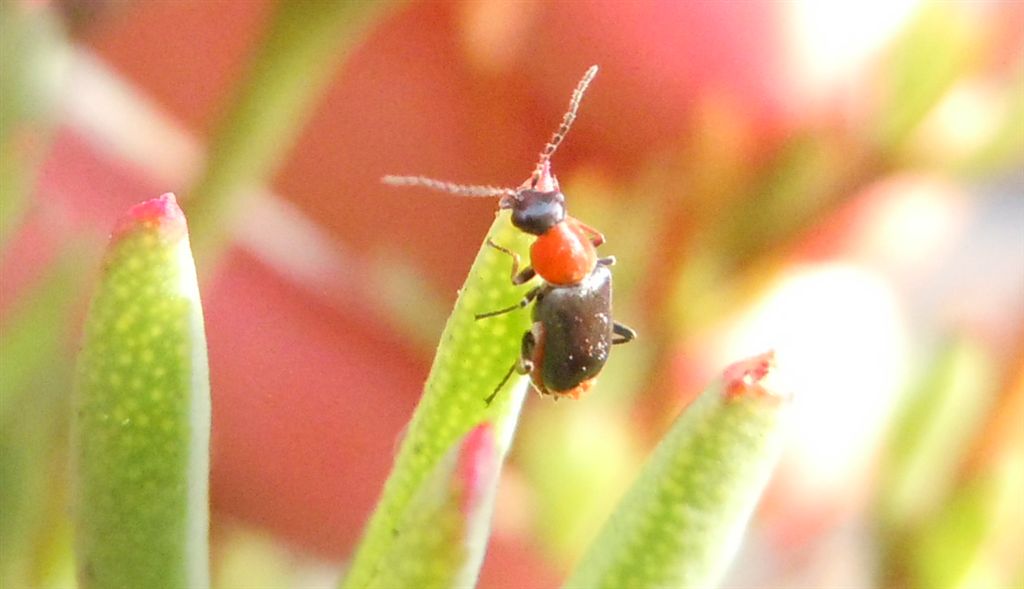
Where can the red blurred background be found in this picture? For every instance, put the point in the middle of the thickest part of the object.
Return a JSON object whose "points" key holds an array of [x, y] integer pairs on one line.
{"points": [[828, 182]]}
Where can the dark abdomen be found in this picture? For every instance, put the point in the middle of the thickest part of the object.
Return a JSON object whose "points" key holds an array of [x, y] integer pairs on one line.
{"points": [[577, 330]]}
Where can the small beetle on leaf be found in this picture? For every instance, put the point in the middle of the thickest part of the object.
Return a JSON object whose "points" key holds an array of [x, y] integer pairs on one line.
{"points": [[573, 329]]}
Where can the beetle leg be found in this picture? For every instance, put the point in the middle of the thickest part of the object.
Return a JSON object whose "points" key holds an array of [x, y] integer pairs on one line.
{"points": [[608, 261], [522, 365], [517, 276], [525, 363], [523, 277], [532, 294], [490, 398], [596, 237], [625, 334]]}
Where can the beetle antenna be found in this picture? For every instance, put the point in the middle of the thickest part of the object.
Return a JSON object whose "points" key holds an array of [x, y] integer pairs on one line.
{"points": [[563, 129], [450, 187], [497, 389]]}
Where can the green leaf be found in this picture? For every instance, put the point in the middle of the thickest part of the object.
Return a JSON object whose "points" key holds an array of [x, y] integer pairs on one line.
{"points": [[34, 333], [34, 59], [948, 545], [683, 519], [1005, 148], [931, 434], [33, 453], [304, 43], [440, 539], [35, 381], [567, 451], [471, 360], [974, 540], [939, 46], [949, 495], [142, 412]]}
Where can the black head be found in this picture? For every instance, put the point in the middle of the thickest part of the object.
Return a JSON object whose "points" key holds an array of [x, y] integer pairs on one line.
{"points": [[534, 211]]}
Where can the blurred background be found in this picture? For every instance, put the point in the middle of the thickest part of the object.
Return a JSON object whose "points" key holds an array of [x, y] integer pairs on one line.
{"points": [[842, 182]]}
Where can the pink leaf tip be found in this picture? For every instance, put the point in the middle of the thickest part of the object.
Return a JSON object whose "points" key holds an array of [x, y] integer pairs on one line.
{"points": [[161, 214], [477, 465], [746, 377]]}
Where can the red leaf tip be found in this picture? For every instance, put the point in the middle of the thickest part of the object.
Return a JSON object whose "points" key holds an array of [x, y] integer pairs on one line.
{"points": [[746, 377], [477, 465], [161, 214]]}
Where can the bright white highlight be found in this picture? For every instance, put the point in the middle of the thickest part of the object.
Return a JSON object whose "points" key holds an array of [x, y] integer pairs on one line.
{"points": [[840, 347], [831, 42]]}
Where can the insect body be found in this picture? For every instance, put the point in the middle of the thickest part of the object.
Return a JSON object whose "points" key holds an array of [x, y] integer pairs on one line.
{"points": [[572, 333], [573, 330]]}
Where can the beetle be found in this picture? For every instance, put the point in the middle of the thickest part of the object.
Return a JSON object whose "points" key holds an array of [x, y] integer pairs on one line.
{"points": [[573, 330], [572, 333]]}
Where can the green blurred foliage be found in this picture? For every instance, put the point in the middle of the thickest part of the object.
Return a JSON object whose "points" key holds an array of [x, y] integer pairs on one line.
{"points": [[948, 500], [33, 59], [34, 414], [938, 524], [300, 50]]}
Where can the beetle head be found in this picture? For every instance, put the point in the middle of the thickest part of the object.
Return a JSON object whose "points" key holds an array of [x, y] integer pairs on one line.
{"points": [[535, 211]]}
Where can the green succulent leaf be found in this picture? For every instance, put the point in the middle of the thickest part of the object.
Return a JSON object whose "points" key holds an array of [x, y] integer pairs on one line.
{"points": [[142, 412], [472, 358], [440, 540], [682, 521]]}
